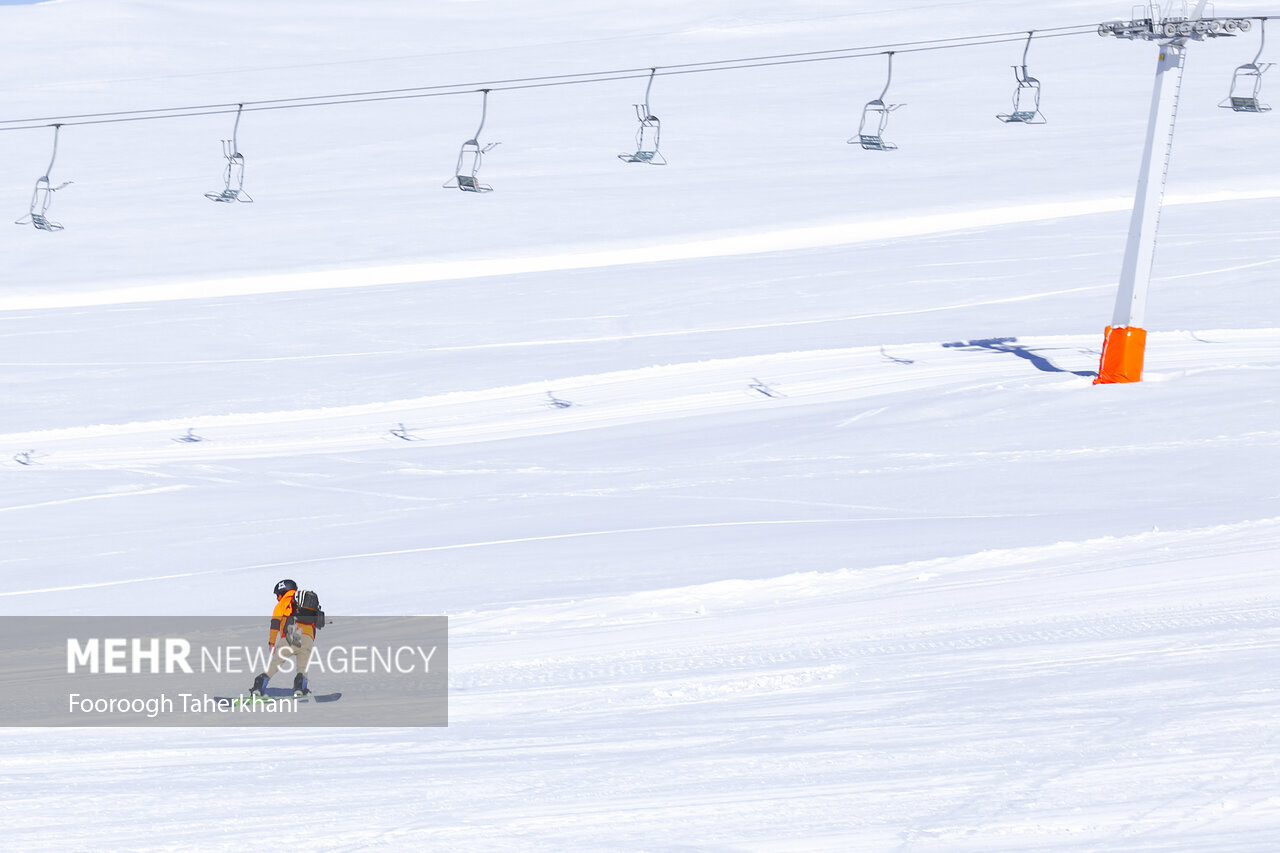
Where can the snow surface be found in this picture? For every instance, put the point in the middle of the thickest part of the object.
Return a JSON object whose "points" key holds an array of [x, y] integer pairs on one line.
{"points": [[835, 547]]}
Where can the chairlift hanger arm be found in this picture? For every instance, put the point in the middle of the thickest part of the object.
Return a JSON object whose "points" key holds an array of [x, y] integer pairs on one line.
{"points": [[647, 89], [1020, 72], [235, 132], [484, 113], [54, 156], [889, 78]]}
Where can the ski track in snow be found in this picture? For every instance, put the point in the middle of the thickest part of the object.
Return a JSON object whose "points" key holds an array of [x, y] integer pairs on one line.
{"points": [[1075, 640], [121, 493], [652, 662], [613, 399]]}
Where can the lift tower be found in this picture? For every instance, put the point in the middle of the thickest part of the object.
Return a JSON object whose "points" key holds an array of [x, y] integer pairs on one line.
{"points": [[1125, 340]]}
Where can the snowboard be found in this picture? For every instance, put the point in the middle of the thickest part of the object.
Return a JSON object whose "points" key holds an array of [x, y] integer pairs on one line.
{"points": [[277, 696]]}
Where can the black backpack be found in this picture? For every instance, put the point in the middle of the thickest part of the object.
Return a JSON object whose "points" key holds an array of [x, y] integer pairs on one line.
{"points": [[306, 608]]}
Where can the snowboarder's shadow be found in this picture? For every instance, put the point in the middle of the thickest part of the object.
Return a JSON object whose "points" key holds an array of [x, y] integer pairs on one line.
{"points": [[1010, 345], [287, 693]]}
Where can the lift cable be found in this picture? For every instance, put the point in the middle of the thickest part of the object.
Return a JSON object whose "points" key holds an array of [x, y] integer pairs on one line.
{"points": [[545, 81]]}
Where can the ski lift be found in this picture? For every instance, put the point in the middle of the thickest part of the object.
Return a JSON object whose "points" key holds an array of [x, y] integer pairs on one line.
{"points": [[234, 173], [466, 173], [648, 134], [1026, 97], [42, 195], [1248, 78], [876, 113]]}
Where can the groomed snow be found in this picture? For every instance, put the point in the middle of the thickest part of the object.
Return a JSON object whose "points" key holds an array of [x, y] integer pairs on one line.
{"points": [[767, 492]]}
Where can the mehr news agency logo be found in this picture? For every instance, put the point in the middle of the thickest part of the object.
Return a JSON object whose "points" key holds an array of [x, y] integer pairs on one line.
{"points": [[291, 647]]}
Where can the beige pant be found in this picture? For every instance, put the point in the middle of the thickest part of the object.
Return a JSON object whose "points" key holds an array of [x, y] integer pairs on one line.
{"points": [[301, 652]]}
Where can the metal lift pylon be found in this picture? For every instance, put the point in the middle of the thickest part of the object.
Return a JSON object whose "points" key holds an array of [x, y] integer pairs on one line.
{"points": [[1124, 341]]}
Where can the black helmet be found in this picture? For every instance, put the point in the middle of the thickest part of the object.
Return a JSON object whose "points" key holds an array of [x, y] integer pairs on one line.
{"points": [[284, 586]]}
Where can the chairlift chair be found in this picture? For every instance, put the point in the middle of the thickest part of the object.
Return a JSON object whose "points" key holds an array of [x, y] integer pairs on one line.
{"points": [[875, 141], [876, 113], [234, 171], [1026, 97], [648, 134], [466, 174], [1240, 80], [1248, 78], [42, 196]]}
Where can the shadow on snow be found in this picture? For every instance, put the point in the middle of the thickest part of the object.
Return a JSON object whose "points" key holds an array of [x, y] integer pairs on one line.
{"points": [[1011, 346]]}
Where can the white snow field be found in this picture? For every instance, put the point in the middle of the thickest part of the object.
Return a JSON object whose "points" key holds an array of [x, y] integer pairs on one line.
{"points": [[767, 492]]}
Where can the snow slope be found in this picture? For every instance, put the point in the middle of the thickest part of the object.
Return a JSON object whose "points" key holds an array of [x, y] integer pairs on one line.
{"points": [[767, 492]]}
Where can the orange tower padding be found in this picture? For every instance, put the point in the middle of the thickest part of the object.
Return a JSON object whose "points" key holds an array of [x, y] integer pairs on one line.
{"points": [[1122, 351]]}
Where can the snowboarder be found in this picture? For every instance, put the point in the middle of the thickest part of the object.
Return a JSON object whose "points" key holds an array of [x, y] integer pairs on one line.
{"points": [[289, 636]]}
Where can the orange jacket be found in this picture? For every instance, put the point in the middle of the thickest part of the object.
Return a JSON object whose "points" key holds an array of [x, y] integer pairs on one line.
{"points": [[280, 616]]}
